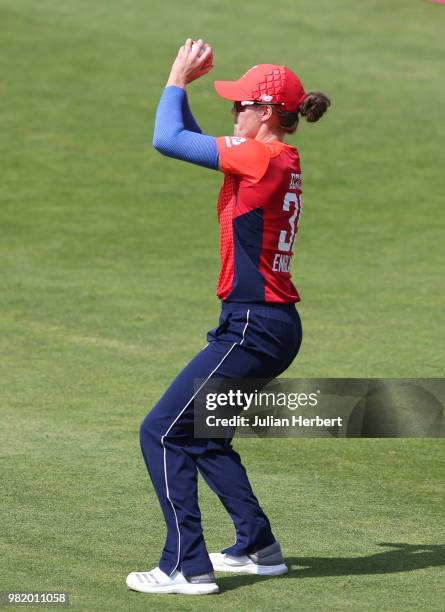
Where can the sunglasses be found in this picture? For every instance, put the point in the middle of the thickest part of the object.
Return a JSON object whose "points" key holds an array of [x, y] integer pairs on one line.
{"points": [[239, 106]]}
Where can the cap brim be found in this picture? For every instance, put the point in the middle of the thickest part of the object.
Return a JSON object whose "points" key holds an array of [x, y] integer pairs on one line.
{"points": [[231, 90]]}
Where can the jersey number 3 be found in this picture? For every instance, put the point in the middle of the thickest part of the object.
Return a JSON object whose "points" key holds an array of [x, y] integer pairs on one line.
{"points": [[295, 199]]}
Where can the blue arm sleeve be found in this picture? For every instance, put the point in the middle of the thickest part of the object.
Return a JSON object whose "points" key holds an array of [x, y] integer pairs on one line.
{"points": [[172, 139], [190, 122]]}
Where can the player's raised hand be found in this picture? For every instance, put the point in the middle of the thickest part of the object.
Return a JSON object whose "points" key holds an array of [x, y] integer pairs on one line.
{"points": [[201, 53], [194, 60]]}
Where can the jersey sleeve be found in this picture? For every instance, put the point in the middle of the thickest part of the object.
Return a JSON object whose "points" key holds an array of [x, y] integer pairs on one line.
{"points": [[173, 138], [244, 157]]}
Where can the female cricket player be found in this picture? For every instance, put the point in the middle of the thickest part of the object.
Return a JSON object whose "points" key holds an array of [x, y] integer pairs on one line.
{"points": [[259, 332]]}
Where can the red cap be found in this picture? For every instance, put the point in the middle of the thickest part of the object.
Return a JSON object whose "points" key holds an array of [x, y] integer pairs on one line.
{"points": [[265, 83]]}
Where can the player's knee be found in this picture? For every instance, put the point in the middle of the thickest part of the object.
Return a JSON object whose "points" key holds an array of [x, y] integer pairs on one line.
{"points": [[148, 433]]}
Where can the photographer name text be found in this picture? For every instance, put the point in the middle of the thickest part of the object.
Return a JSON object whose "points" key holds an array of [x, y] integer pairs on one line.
{"points": [[271, 421]]}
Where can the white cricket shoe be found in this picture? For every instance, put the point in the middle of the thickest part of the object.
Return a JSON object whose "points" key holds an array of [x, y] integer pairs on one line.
{"points": [[266, 562], [156, 581]]}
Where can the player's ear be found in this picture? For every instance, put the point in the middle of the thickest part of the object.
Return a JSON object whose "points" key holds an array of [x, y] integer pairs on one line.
{"points": [[266, 112]]}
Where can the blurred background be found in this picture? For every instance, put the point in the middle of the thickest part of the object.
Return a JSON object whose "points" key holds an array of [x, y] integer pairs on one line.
{"points": [[109, 263]]}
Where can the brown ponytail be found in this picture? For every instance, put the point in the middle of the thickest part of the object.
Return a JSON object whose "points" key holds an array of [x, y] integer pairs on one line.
{"points": [[313, 107]]}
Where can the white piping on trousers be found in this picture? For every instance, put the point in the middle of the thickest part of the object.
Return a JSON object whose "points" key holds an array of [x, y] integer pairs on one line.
{"points": [[245, 327], [236, 535], [166, 433]]}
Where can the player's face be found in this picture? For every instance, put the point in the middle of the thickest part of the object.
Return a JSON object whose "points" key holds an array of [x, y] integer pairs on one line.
{"points": [[247, 120]]}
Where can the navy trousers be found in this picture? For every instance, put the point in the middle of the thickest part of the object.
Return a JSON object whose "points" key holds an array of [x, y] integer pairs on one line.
{"points": [[251, 341]]}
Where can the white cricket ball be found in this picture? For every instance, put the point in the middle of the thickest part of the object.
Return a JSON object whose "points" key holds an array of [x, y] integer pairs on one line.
{"points": [[203, 48]]}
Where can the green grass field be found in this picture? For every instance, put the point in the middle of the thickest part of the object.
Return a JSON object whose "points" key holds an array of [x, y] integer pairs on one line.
{"points": [[109, 262]]}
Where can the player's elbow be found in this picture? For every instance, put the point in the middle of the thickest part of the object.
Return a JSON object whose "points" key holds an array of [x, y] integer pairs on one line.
{"points": [[164, 145], [160, 143]]}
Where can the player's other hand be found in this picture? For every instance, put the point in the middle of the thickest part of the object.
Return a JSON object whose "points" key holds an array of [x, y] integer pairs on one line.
{"points": [[193, 61]]}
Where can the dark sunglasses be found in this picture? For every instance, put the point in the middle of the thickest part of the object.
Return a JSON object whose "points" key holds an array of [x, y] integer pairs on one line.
{"points": [[239, 106]]}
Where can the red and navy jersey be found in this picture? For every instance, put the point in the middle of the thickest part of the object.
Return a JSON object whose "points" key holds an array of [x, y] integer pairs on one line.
{"points": [[259, 207]]}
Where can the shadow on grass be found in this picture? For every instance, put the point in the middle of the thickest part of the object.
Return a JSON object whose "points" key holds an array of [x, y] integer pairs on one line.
{"points": [[403, 558]]}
